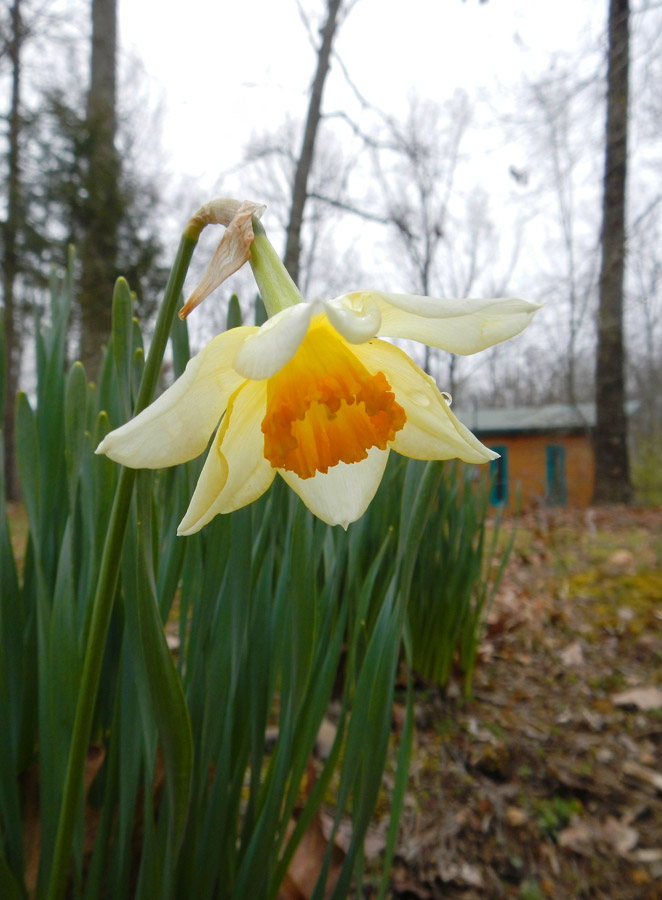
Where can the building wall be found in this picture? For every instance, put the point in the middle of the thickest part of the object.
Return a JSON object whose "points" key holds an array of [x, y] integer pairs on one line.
{"points": [[527, 464]]}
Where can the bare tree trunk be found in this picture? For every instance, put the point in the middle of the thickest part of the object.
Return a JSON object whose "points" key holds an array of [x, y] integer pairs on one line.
{"points": [[104, 205], [11, 227], [300, 189], [612, 483]]}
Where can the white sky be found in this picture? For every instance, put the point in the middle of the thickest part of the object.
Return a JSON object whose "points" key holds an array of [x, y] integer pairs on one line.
{"points": [[225, 69]]}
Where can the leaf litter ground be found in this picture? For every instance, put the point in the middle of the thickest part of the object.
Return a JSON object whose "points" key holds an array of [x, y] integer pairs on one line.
{"points": [[548, 783]]}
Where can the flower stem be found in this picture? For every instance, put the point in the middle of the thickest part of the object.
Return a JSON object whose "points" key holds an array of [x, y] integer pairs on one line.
{"points": [[107, 585], [277, 289]]}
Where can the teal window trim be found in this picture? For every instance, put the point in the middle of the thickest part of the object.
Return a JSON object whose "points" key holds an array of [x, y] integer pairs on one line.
{"points": [[499, 477], [557, 489]]}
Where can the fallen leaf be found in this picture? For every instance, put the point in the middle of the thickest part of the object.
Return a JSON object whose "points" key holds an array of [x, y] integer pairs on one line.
{"points": [[373, 843], [648, 855], [573, 655], [579, 836], [623, 838], [307, 864], [644, 698], [462, 874], [594, 720], [621, 559], [480, 733], [641, 773], [325, 738], [173, 641], [516, 816]]}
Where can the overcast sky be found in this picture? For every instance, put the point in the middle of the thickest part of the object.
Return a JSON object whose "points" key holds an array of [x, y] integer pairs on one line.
{"points": [[226, 70]]}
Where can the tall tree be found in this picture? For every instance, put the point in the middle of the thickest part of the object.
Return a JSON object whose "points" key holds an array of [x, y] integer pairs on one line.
{"points": [[612, 482], [305, 161], [104, 206], [10, 237]]}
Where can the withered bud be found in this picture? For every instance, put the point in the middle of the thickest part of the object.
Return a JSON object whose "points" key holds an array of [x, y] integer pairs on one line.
{"points": [[234, 248]]}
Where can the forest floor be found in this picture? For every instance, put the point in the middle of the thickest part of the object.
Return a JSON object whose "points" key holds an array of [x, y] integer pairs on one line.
{"points": [[548, 783]]}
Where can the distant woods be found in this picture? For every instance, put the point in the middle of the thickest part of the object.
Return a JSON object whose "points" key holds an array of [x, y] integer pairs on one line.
{"points": [[551, 225], [519, 192], [67, 183]]}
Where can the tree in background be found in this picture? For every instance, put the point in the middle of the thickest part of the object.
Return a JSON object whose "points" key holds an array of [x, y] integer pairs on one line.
{"points": [[103, 207], [11, 229], [612, 482], [61, 144], [271, 160], [305, 159], [644, 368], [21, 244], [65, 181]]}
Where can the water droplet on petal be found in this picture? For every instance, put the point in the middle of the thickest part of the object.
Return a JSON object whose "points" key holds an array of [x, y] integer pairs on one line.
{"points": [[447, 397], [420, 398]]}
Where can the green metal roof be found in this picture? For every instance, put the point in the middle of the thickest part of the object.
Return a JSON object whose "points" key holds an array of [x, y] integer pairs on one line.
{"points": [[546, 417]]}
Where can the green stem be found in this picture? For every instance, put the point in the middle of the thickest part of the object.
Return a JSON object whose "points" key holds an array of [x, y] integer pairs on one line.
{"points": [[277, 289], [107, 585]]}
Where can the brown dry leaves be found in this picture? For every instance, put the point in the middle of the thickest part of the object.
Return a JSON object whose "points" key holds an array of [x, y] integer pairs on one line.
{"points": [[548, 783]]}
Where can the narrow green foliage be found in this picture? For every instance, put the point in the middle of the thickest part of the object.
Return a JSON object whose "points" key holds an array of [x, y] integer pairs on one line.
{"points": [[3, 368], [122, 342], [234, 313], [206, 788], [454, 577]]}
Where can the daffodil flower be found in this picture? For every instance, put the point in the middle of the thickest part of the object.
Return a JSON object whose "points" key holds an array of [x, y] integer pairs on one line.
{"points": [[315, 396]]}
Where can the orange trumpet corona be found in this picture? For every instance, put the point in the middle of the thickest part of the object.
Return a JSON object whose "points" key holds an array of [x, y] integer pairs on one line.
{"points": [[324, 407]]}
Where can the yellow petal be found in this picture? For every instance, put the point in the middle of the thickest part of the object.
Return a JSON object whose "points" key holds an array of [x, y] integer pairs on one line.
{"points": [[460, 326], [235, 472], [344, 493], [431, 430], [178, 425]]}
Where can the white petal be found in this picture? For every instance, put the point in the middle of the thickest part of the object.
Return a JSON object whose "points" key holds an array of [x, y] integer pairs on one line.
{"points": [[344, 493], [355, 316], [275, 343], [235, 472], [460, 326], [431, 431], [177, 426]]}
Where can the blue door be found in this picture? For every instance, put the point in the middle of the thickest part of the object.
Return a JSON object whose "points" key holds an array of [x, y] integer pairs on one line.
{"points": [[557, 493], [499, 476]]}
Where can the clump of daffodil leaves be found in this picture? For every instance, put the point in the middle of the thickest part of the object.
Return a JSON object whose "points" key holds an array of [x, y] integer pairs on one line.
{"points": [[313, 394]]}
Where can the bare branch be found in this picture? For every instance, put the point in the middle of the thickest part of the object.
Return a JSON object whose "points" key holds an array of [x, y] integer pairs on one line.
{"points": [[349, 208]]}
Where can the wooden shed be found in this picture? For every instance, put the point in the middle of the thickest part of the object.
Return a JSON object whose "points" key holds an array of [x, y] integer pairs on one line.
{"points": [[546, 453]]}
